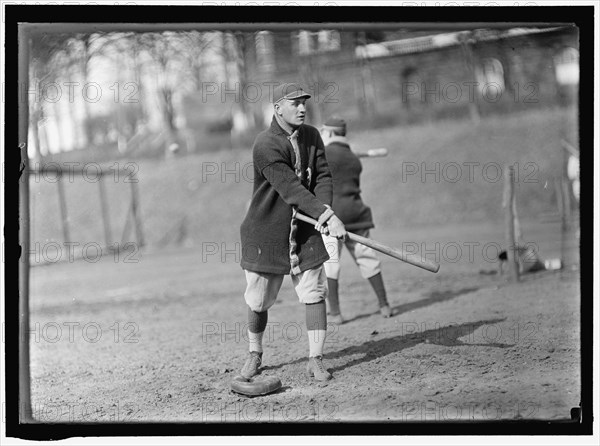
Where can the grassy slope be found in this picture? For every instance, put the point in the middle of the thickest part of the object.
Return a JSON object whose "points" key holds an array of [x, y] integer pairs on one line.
{"points": [[214, 205]]}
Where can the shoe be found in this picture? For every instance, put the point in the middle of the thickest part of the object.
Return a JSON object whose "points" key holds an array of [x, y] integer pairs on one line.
{"points": [[252, 365], [385, 311], [316, 368], [335, 319]]}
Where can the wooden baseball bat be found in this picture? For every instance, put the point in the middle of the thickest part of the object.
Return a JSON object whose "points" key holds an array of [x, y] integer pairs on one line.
{"points": [[569, 148], [372, 153], [396, 253]]}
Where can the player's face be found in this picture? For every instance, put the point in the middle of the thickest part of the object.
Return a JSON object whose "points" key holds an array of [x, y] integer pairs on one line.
{"points": [[293, 111]]}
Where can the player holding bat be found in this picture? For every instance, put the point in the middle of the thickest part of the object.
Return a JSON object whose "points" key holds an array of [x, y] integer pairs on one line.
{"points": [[290, 174], [348, 206]]}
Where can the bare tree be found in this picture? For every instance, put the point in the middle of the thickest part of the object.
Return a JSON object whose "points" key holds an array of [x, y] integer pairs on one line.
{"points": [[42, 73], [81, 49], [192, 47], [165, 53]]}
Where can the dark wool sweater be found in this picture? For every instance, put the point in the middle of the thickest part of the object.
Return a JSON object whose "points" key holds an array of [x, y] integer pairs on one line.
{"points": [[266, 229], [347, 203]]}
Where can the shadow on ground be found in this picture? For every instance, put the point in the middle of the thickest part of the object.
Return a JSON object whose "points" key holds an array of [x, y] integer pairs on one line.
{"points": [[371, 350], [434, 298], [446, 336]]}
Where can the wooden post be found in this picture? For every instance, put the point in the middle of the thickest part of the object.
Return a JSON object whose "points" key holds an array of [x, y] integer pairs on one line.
{"points": [[126, 226], [511, 250], [63, 208], [559, 197], [567, 201], [469, 61], [560, 201], [105, 216], [25, 414], [136, 213]]}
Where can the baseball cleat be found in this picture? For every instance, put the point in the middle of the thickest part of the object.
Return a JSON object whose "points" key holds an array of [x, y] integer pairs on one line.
{"points": [[252, 365], [385, 311], [336, 319], [316, 369]]}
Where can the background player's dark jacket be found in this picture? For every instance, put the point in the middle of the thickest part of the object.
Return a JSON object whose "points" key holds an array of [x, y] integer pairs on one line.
{"points": [[266, 229], [347, 204]]}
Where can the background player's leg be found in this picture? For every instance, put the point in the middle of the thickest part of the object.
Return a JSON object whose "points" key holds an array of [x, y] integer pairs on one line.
{"points": [[370, 268], [333, 297], [332, 270], [379, 288]]}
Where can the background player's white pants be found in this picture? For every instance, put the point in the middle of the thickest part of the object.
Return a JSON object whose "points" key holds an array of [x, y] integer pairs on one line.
{"points": [[365, 257]]}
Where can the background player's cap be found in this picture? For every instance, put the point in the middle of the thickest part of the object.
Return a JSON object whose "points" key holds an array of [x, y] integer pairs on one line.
{"points": [[335, 121], [289, 91]]}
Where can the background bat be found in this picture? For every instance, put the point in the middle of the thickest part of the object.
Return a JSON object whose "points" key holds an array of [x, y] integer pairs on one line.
{"points": [[372, 153]]}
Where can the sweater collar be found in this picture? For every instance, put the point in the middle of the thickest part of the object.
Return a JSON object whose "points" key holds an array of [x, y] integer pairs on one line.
{"points": [[280, 127], [338, 140]]}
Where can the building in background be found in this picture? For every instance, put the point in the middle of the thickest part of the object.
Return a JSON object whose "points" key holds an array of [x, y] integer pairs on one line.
{"points": [[206, 91], [382, 78]]}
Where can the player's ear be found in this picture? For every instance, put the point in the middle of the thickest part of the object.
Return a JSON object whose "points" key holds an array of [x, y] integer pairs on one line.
{"points": [[278, 109]]}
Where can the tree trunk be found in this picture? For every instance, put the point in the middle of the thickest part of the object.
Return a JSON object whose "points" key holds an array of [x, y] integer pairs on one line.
{"points": [[44, 132], [35, 134], [86, 106], [139, 84], [243, 45], [474, 111], [59, 130]]}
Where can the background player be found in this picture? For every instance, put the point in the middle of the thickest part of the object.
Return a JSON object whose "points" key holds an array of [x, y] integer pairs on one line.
{"points": [[348, 206]]}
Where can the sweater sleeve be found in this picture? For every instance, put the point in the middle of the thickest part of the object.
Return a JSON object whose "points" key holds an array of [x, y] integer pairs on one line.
{"points": [[324, 181]]}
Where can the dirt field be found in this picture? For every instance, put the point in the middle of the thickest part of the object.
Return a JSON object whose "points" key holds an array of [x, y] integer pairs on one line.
{"points": [[160, 340], [157, 335]]}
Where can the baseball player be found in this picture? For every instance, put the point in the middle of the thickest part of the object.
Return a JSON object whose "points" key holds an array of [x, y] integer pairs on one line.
{"points": [[573, 174], [356, 216], [290, 174]]}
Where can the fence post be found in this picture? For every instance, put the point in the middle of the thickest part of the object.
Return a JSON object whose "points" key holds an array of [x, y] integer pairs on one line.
{"points": [[105, 215], [135, 212], [63, 207], [567, 202], [509, 198]]}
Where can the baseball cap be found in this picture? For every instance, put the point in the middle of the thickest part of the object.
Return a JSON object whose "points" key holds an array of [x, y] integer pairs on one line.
{"points": [[289, 91], [335, 121]]}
